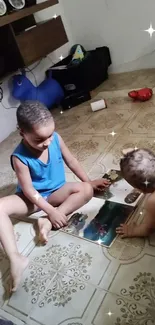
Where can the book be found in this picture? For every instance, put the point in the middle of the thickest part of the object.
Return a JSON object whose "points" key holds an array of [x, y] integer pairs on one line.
{"points": [[98, 219], [120, 191]]}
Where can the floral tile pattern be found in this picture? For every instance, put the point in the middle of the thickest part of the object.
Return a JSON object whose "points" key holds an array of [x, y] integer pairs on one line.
{"points": [[143, 123], [117, 310], [71, 281], [103, 122], [111, 159], [88, 148], [62, 300]]}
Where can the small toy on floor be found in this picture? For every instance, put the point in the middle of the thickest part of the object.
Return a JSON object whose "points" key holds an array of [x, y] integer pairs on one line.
{"points": [[143, 94], [98, 105]]}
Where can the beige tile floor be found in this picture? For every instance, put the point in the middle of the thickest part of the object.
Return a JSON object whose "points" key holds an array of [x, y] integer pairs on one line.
{"points": [[71, 281]]}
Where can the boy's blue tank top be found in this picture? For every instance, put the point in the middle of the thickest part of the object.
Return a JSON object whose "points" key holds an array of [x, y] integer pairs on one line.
{"points": [[46, 178]]}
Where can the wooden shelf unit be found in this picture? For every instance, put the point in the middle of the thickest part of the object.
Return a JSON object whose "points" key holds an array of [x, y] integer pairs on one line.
{"points": [[21, 47], [16, 15]]}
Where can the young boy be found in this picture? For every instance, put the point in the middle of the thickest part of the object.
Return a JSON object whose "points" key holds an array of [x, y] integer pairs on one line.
{"points": [[38, 163], [138, 169]]}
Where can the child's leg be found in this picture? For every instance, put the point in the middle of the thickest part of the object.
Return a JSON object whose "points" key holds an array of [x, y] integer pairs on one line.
{"points": [[68, 198], [19, 206], [71, 197]]}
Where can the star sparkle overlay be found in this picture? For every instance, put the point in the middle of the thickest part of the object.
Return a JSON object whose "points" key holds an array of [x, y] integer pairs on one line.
{"points": [[146, 183], [150, 30], [61, 57], [55, 16], [113, 133], [109, 313]]}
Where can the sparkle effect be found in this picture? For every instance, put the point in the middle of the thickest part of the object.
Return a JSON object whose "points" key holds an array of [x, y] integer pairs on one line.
{"points": [[141, 213], [99, 241], [61, 58], [150, 30], [55, 16], [135, 148], [37, 196], [113, 133], [61, 112], [146, 183], [109, 313]]}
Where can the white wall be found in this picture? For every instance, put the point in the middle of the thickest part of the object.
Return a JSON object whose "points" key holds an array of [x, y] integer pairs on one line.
{"points": [[8, 116], [118, 25]]}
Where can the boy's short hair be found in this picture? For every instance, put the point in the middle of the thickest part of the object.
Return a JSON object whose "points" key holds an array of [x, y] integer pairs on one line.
{"points": [[138, 168], [31, 113]]}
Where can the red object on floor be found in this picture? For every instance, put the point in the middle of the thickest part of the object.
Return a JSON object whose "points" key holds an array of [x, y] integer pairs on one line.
{"points": [[141, 94]]}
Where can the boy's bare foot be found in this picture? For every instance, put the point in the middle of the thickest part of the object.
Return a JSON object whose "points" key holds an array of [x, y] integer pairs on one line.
{"points": [[125, 230], [45, 227], [18, 264]]}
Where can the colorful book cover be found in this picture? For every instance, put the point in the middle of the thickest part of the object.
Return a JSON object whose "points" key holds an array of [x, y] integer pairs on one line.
{"points": [[98, 219]]}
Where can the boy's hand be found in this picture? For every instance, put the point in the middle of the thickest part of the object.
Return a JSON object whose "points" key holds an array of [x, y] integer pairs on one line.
{"points": [[100, 184], [58, 219]]}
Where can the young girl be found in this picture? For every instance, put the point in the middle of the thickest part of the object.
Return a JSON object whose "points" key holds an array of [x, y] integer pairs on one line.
{"points": [[38, 162]]}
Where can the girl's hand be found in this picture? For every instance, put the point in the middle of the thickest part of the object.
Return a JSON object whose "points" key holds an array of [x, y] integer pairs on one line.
{"points": [[100, 184]]}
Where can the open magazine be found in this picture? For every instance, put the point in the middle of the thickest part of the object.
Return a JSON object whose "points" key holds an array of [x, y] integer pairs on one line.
{"points": [[98, 219]]}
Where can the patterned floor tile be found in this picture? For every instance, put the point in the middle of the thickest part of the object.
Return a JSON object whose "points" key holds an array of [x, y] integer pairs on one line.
{"points": [[4, 263], [36, 279], [65, 302], [72, 256], [98, 169], [71, 178], [105, 121], [72, 321], [152, 240], [136, 281], [85, 261], [7, 189], [112, 158], [107, 309], [7, 317], [71, 119], [128, 80], [88, 148], [24, 234], [143, 123], [4, 290], [119, 99]]}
